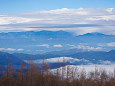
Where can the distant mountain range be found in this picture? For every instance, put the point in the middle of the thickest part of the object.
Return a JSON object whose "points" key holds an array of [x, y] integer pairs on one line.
{"points": [[6, 58], [90, 48], [90, 55], [77, 58], [47, 41]]}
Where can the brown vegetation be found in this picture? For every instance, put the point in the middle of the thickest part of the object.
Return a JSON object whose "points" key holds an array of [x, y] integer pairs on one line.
{"points": [[31, 75]]}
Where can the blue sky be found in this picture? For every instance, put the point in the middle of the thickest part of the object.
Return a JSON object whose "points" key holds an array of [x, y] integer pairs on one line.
{"points": [[18, 6], [78, 16]]}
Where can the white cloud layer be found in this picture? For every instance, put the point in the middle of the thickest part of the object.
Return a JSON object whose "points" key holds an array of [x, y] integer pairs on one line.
{"points": [[61, 59], [111, 44], [58, 60], [84, 47], [10, 49], [43, 45], [59, 45], [79, 21], [86, 68], [88, 47]]}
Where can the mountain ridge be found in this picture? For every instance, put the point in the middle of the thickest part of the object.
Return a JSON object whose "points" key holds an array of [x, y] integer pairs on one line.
{"points": [[34, 42]]}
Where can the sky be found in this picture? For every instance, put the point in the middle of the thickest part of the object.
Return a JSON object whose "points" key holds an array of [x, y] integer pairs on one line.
{"points": [[19, 6], [77, 16]]}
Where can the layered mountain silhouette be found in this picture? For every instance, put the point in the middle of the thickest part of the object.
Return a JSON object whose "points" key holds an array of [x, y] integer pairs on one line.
{"points": [[6, 58], [18, 46], [44, 41], [93, 56], [78, 58]]}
